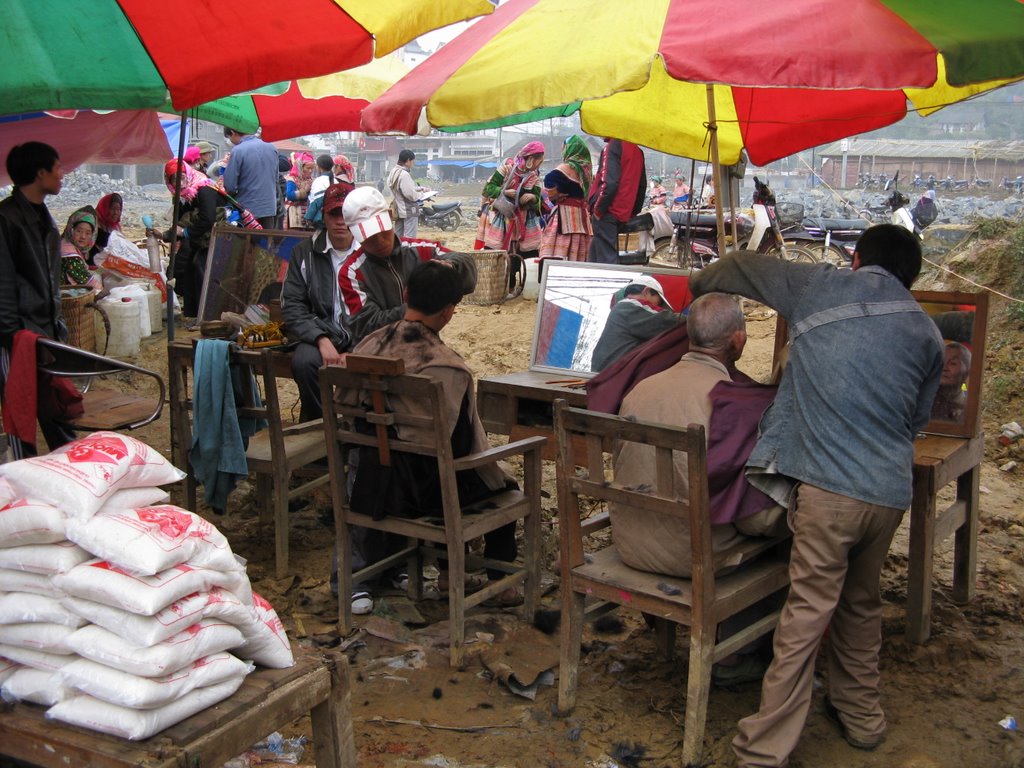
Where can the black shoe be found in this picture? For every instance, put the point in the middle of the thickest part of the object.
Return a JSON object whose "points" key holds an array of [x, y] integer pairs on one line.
{"points": [[833, 714]]}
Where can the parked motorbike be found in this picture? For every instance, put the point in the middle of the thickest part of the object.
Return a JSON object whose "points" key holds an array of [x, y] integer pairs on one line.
{"points": [[1014, 185], [918, 182], [445, 216]]}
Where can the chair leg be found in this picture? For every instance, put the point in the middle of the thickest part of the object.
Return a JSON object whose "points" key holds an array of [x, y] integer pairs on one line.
{"points": [[414, 570], [698, 687], [571, 640], [532, 535], [343, 543], [456, 601], [666, 634], [264, 495], [281, 526]]}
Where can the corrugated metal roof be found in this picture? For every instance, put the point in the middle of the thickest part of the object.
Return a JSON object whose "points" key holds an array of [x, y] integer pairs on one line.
{"points": [[909, 148]]}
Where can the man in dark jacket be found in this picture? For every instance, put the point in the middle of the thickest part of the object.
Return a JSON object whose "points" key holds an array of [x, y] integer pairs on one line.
{"points": [[373, 277], [30, 266], [616, 196], [311, 301]]}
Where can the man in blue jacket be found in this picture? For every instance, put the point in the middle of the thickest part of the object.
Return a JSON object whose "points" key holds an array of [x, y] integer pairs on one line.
{"points": [[837, 447], [251, 176]]}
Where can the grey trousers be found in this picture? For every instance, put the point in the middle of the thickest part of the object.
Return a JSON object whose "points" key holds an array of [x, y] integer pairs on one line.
{"points": [[839, 546]]}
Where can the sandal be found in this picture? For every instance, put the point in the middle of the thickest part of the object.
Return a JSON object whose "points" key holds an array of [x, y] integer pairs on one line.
{"points": [[474, 582]]}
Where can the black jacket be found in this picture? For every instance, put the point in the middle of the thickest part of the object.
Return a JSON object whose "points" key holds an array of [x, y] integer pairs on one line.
{"points": [[307, 297], [29, 271]]}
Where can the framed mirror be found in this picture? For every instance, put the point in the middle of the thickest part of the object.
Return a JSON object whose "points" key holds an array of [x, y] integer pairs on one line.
{"points": [[962, 320], [243, 267], [574, 304]]}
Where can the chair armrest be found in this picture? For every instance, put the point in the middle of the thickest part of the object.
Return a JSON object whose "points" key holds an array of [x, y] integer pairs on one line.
{"points": [[523, 446], [303, 427]]}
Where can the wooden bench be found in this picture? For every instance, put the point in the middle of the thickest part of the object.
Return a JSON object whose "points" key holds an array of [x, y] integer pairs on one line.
{"points": [[268, 700]]}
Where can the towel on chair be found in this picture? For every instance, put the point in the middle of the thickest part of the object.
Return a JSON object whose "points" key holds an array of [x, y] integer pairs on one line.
{"points": [[219, 438]]}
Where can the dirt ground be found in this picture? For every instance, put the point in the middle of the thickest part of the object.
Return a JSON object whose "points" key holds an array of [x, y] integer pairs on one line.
{"points": [[943, 699]]}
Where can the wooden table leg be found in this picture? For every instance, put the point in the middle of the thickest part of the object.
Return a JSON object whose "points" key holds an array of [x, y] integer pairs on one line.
{"points": [[965, 548], [919, 567], [332, 720]]}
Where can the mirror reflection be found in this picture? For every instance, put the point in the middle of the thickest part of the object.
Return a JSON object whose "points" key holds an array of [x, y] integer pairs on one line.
{"points": [[961, 319], [577, 300]]}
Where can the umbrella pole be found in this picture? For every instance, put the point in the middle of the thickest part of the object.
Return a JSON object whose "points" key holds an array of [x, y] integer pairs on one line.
{"points": [[716, 169], [174, 230]]}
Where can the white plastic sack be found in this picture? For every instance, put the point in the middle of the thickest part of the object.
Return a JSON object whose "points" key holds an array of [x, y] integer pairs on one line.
{"points": [[35, 685], [152, 539], [127, 690], [38, 636], [7, 668], [135, 724], [217, 603], [23, 581], [207, 637], [265, 640], [48, 662], [120, 246], [81, 476], [7, 492], [102, 582], [132, 498], [44, 559], [20, 608], [27, 521]]}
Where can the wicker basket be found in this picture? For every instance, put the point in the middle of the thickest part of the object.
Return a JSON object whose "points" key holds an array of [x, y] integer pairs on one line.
{"points": [[491, 277], [76, 304]]}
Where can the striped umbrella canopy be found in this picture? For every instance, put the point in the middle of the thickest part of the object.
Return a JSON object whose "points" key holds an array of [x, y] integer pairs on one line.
{"points": [[134, 54], [300, 107], [773, 78]]}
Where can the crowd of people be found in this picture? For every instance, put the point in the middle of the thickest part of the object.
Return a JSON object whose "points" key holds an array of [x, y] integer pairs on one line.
{"points": [[363, 281]]}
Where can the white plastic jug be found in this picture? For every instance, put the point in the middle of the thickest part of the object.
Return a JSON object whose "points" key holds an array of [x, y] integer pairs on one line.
{"points": [[136, 292], [156, 313], [534, 273], [125, 328]]}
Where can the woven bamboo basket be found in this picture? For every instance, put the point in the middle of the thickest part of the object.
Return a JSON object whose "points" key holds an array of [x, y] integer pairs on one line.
{"points": [[491, 277], [76, 304]]}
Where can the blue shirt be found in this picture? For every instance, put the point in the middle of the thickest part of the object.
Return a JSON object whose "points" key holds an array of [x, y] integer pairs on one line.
{"points": [[251, 176], [864, 365]]}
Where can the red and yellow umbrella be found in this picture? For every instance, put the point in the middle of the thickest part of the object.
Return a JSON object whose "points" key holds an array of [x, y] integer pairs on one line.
{"points": [[134, 54], [785, 75]]}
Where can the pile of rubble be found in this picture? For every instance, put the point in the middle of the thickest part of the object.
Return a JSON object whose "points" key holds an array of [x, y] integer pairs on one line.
{"points": [[952, 209]]}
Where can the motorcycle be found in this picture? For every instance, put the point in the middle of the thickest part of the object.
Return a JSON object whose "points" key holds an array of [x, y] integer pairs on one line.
{"points": [[445, 216]]}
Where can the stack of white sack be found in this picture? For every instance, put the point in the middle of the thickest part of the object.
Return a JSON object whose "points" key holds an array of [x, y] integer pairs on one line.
{"points": [[117, 609]]}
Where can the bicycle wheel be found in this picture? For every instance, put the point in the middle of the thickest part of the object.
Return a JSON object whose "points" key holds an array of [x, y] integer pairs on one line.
{"points": [[795, 252], [826, 254]]}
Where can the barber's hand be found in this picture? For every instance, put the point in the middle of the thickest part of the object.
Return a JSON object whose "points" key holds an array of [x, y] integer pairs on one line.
{"points": [[526, 198], [328, 353]]}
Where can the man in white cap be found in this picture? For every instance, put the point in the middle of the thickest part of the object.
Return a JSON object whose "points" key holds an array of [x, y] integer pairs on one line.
{"points": [[372, 278], [641, 314]]}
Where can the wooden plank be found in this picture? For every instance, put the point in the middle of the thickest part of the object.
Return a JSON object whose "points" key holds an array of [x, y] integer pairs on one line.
{"points": [[108, 409]]}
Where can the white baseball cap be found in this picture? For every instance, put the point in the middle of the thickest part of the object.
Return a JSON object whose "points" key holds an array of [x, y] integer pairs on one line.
{"points": [[647, 281], [366, 213]]}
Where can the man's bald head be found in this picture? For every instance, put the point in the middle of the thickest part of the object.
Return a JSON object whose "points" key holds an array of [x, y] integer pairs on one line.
{"points": [[716, 326]]}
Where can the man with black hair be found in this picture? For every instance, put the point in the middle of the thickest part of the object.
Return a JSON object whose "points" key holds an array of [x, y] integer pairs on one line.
{"points": [[252, 176], [405, 193], [433, 290], [30, 267], [616, 196], [837, 448]]}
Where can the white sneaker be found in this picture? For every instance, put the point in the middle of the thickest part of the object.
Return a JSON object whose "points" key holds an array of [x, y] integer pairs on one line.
{"points": [[362, 603]]}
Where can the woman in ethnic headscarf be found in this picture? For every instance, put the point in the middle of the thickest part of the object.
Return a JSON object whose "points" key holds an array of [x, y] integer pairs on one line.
{"points": [[79, 236], [343, 169], [108, 219], [296, 189], [202, 205], [517, 180], [568, 233]]}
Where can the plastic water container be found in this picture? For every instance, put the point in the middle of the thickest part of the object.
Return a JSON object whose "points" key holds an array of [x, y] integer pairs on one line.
{"points": [[136, 292], [156, 312], [531, 288], [125, 328]]}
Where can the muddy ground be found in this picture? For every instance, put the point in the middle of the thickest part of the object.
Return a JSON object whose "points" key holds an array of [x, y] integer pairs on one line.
{"points": [[943, 699]]}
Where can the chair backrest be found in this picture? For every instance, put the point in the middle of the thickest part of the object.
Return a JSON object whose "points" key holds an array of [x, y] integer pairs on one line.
{"points": [[372, 402], [64, 360], [592, 475]]}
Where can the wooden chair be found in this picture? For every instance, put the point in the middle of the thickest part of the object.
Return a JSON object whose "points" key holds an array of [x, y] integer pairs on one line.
{"points": [[585, 440], [104, 408], [274, 454], [385, 379]]}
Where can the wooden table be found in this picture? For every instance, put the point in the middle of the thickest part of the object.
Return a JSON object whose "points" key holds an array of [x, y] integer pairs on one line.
{"points": [[268, 700], [520, 404], [939, 461]]}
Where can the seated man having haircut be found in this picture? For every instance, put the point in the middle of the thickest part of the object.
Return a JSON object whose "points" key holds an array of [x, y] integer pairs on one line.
{"points": [[411, 487], [642, 313]]}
